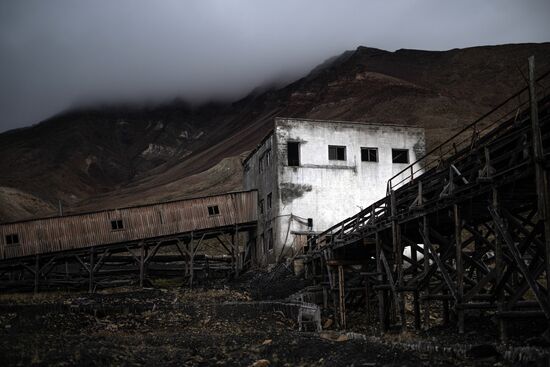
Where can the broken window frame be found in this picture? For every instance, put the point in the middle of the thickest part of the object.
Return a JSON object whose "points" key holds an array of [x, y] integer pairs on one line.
{"points": [[261, 164], [337, 153], [370, 153], [12, 239], [117, 224], [213, 210], [270, 239], [262, 241], [293, 160], [264, 160], [397, 154], [267, 157]]}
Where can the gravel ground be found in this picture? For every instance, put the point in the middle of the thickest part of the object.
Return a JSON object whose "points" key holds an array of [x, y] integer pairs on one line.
{"points": [[214, 325]]}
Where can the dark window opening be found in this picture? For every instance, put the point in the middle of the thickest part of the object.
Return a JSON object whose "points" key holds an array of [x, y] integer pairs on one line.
{"points": [[261, 164], [269, 201], [213, 210], [262, 241], [400, 155], [117, 224], [12, 239], [262, 206], [369, 154], [336, 153], [293, 152], [268, 157], [270, 239]]}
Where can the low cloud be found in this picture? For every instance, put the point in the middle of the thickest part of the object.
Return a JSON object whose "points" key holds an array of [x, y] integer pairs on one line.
{"points": [[60, 53]]}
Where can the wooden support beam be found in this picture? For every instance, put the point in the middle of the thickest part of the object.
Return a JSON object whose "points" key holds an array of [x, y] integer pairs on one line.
{"points": [[398, 253], [36, 273], [102, 258], [339, 262], [142, 264], [43, 271], [459, 267], [223, 245], [416, 304], [519, 262], [91, 272], [439, 263], [367, 298], [381, 293], [425, 234], [541, 175], [499, 271], [341, 297], [82, 263], [153, 252], [390, 281], [480, 285]]}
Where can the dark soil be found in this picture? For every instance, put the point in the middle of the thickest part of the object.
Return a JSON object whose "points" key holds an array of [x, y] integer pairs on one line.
{"points": [[218, 324], [275, 285], [174, 327]]}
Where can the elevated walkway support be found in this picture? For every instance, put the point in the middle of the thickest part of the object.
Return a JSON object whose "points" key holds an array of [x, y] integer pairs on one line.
{"points": [[471, 232], [103, 247]]}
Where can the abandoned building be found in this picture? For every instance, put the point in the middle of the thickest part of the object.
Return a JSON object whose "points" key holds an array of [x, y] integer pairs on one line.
{"points": [[312, 173]]}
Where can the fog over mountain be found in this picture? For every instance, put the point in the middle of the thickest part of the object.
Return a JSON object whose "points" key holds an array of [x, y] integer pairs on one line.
{"points": [[58, 54]]}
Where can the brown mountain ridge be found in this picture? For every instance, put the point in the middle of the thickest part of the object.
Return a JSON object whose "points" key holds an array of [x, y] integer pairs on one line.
{"points": [[114, 156]]}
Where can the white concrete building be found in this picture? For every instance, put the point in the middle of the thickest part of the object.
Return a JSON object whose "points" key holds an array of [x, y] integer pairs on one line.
{"points": [[312, 174]]}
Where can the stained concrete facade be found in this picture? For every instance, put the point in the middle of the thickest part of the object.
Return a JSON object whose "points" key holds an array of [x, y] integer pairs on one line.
{"points": [[326, 187]]}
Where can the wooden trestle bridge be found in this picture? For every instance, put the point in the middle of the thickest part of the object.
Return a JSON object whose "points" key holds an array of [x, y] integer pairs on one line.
{"points": [[467, 226], [130, 245]]}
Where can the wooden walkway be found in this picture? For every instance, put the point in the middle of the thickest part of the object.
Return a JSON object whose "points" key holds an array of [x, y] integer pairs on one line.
{"points": [[468, 228], [103, 247]]}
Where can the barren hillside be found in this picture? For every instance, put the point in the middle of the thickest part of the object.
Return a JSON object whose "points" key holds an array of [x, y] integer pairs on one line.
{"points": [[112, 156]]}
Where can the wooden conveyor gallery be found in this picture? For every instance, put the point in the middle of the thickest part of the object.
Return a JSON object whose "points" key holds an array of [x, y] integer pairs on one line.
{"points": [[467, 231]]}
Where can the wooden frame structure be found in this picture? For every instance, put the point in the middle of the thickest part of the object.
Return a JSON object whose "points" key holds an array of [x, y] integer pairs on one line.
{"points": [[468, 225], [88, 249]]}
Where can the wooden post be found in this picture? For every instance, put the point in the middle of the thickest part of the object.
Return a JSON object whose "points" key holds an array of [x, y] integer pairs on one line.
{"points": [[541, 176], [342, 296], [91, 272], [445, 311], [398, 255], [36, 273], [426, 259], [142, 265], [314, 272], [380, 292], [459, 269], [235, 251], [191, 254], [416, 300], [499, 272], [367, 298]]}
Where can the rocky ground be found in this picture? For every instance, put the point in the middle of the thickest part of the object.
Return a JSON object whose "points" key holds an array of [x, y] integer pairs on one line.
{"points": [[216, 325]]}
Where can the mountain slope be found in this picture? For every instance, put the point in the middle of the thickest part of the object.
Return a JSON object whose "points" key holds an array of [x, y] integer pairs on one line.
{"points": [[120, 155]]}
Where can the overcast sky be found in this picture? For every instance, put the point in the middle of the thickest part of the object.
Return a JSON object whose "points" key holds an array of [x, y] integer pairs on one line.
{"points": [[55, 54]]}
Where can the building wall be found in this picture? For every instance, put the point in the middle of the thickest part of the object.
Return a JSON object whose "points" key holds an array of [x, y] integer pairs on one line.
{"points": [[264, 180], [328, 191]]}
